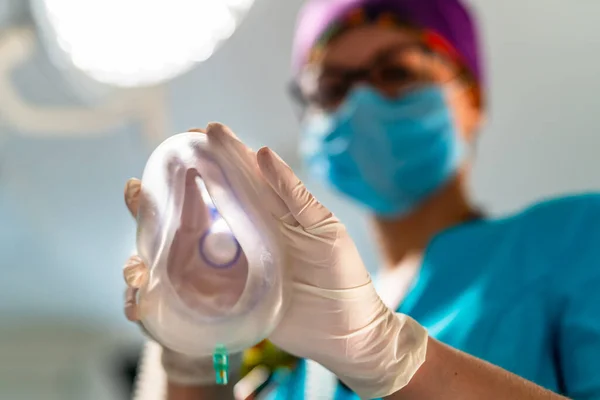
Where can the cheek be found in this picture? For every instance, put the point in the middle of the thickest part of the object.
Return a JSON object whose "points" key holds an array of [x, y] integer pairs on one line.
{"points": [[465, 116]]}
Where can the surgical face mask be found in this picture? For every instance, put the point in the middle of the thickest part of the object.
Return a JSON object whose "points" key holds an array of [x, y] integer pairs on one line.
{"points": [[217, 279], [387, 154]]}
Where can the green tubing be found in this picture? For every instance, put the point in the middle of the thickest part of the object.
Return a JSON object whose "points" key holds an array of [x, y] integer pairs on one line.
{"points": [[221, 365]]}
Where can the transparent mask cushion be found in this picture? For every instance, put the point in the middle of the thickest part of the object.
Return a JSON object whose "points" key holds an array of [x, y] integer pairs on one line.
{"points": [[222, 245], [218, 246], [216, 282]]}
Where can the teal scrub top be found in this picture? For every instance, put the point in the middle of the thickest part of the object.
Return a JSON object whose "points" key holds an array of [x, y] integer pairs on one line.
{"points": [[521, 292]]}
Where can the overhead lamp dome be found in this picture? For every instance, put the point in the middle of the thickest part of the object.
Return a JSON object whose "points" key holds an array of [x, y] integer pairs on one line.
{"points": [[134, 43]]}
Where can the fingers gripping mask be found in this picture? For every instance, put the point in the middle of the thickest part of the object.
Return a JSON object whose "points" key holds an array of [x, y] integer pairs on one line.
{"points": [[387, 154], [216, 268]]}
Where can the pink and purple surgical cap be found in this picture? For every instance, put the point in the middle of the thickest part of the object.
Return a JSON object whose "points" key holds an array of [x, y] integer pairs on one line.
{"points": [[449, 19]]}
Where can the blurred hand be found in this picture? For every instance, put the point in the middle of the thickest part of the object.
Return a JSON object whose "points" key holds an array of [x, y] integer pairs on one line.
{"points": [[134, 271]]}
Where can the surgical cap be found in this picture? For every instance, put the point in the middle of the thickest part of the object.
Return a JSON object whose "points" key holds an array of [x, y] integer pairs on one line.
{"points": [[448, 18]]}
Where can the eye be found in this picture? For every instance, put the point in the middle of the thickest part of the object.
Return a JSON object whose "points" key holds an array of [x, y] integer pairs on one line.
{"points": [[395, 74], [331, 92]]}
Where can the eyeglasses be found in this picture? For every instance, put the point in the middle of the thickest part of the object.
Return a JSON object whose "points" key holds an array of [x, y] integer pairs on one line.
{"points": [[326, 87]]}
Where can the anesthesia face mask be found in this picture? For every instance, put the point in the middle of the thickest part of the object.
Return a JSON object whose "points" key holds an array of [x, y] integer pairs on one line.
{"points": [[216, 283]]}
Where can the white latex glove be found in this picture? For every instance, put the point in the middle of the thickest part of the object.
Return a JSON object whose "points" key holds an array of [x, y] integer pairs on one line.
{"points": [[336, 317]]}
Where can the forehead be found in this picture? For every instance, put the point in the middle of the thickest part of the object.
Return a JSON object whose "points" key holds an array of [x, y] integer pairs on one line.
{"points": [[359, 46]]}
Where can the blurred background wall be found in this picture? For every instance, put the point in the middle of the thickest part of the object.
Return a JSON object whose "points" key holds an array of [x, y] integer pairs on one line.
{"points": [[64, 231]]}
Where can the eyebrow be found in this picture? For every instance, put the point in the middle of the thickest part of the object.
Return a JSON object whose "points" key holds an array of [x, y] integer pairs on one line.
{"points": [[336, 67], [333, 68]]}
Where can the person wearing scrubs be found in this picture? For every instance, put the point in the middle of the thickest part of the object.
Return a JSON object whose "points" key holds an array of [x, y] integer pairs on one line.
{"points": [[392, 95]]}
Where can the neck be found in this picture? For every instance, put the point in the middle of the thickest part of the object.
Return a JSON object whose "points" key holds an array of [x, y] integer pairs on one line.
{"points": [[407, 237]]}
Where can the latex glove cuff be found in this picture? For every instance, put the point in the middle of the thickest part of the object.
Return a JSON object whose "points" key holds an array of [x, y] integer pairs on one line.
{"points": [[386, 365], [353, 334]]}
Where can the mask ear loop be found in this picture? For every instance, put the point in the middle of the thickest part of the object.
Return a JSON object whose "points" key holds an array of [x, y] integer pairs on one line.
{"points": [[458, 86], [463, 85]]}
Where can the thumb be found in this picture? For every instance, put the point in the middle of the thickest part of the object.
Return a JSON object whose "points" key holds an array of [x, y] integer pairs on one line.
{"points": [[132, 195], [302, 204], [135, 272]]}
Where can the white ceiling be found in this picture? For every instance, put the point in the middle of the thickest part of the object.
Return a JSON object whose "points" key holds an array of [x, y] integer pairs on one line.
{"points": [[13, 12]]}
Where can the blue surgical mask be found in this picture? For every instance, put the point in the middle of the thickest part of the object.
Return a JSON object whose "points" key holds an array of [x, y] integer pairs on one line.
{"points": [[387, 154]]}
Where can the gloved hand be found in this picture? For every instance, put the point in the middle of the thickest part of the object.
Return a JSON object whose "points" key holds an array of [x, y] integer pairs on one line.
{"points": [[335, 317]]}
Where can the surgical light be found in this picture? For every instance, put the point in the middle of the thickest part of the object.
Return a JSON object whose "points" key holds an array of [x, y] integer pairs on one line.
{"points": [[133, 43]]}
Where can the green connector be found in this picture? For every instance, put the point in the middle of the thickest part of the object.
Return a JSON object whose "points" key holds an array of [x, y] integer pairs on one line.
{"points": [[221, 365]]}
